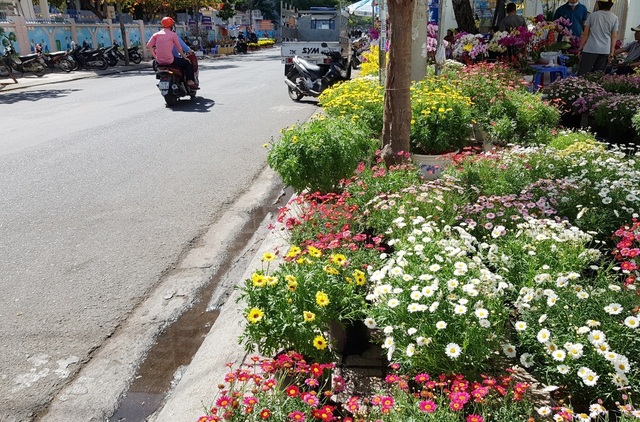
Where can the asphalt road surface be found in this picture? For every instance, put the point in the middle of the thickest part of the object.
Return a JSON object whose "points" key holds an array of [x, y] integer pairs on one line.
{"points": [[102, 189]]}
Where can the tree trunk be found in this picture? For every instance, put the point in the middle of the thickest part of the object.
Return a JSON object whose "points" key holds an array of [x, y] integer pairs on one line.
{"points": [[396, 122], [464, 16], [88, 5]]}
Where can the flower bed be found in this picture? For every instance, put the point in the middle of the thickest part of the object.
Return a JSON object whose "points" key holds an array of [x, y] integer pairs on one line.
{"points": [[519, 260]]}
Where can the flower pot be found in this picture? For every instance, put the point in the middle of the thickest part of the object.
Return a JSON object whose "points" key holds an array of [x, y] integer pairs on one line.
{"points": [[431, 166], [349, 337]]}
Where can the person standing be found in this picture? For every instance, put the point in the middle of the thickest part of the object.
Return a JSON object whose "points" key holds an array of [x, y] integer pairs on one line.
{"points": [[574, 11], [598, 42], [512, 20], [161, 46]]}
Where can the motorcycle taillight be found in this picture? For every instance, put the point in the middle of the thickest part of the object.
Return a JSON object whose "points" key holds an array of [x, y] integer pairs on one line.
{"points": [[328, 60]]}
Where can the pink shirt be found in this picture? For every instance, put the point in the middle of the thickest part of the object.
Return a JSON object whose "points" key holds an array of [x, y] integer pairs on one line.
{"points": [[163, 41]]}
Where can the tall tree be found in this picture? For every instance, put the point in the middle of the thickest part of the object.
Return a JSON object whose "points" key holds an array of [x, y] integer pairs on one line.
{"points": [[396, 121], [464, 16]]}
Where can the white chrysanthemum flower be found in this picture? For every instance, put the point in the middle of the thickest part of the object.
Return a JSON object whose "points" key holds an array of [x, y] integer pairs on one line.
{"points": [[593, 323], [388, 342], [563, 369], [434, 306], [521, 325], [583, 370], [526, 360], [415, 295], [620, 380], [411, 331], [543, 335], [621, 364], [393, 302], [396, 271], [481, 313], [422, 341], [583, 330], [597, 337], [590, 379], [434, 268], [559, 355], [582, 295], [413, 307], [427, 291], [544, 411], [463, 301], [411, 349], [575, 351], [459, 309], [509, 350], [581, 417], [498, 231], [452, 284], [551, 300], [631, 322], [441, 325], [542, 318], [388, 329], [397, 290], [425, 277], [542, 278], [370, 323], [383, 289], [614, 288], [407, 277], [484, 323], [453, 350], [613, 308], [597, 409]]}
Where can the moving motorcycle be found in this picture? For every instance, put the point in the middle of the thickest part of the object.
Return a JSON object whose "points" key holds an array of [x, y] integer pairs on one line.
{"points": [[308, 79], [85, 57], [28, 63], [60, 59], [240, 46], [172, 82]]}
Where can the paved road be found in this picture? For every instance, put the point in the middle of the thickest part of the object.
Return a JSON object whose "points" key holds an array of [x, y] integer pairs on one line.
{"points": [[102, 190]]}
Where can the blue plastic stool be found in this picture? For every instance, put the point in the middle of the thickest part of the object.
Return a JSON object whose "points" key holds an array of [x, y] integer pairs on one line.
{"points": [[214, 50], [553, 71]]}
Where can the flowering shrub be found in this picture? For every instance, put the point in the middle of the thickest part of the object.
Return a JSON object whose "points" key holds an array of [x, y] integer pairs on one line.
{"points": [[317, 154], [621, 84], [371, 61], [439, 308], [575, 95], [441, 117], [521, 118], [360, 99], [616, 111], [293, 306], [469, 47]]}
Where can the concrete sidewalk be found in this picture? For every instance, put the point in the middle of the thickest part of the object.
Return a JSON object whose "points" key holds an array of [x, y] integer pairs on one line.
{"points": [[29, 80]]}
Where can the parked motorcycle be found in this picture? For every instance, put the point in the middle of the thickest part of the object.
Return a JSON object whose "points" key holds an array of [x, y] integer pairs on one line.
{"points": [[113, 54], [308, 79], [87, 58], [59, 59], [28, 63], [172, 82]]}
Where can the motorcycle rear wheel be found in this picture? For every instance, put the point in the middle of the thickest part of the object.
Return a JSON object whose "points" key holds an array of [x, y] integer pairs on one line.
{"points": [[171, 100], [112, 61], [294, 77], [99, 63], [37, 69], [65, 65], [135, 57]]}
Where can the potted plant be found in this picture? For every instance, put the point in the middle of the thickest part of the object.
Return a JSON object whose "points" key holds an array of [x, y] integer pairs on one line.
{"points": [[575, 98], [615, 112]]}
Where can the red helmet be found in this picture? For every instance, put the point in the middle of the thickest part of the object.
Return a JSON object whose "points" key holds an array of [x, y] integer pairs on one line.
{"points": [[167, 22]]}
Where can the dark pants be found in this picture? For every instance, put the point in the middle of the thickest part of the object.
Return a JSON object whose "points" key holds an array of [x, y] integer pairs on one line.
{"points": [[591, 62], [185, 66]]}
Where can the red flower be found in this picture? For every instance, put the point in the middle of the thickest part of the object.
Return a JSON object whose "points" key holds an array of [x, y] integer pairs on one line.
{"points": [[293, 391], [475, 418], [428, 406], [265, 414]]}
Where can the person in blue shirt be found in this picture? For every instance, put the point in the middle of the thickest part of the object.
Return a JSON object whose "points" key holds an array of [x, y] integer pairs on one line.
{"points": [[187, 52], [574, 11]]}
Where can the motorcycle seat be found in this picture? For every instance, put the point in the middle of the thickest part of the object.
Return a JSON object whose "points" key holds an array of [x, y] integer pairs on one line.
{"points": [[308, 65], [28, 56], [57, 53], [169, 68]]}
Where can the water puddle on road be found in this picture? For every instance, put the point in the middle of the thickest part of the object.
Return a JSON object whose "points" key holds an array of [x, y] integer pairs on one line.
{"points": [[176, 346]]}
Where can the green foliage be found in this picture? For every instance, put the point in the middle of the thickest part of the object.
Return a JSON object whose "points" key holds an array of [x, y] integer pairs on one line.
{"points": [[521, 118], [316, 155], [616, 111], [635, 122]]}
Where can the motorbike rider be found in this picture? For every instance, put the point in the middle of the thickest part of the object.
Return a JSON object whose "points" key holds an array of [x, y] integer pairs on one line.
{"points": [[161, 46], [189, 56]]}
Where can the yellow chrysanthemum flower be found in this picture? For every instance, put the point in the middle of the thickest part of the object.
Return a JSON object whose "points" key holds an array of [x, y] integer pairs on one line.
{"points": [[268, 256], [271, 280], [319, 343], [331, 270], [322, 299], [255, 315], [308, 316], [314, 252], [360, 277], [258, 280]]}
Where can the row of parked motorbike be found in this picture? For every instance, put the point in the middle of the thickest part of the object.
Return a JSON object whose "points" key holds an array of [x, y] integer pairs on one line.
{"points": [[79, 57]]}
